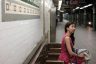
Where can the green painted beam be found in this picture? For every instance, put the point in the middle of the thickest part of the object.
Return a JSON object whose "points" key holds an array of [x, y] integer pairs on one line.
{"points": [[32, 2]]}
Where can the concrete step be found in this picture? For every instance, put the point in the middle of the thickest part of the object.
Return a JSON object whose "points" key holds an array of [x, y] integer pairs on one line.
{"points": [[54, 62], [54, 45], [54, 50], [53, 56]]}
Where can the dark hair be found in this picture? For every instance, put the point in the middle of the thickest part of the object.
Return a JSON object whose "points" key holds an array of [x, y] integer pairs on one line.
{"points": [[67, 25], [72, 35]]}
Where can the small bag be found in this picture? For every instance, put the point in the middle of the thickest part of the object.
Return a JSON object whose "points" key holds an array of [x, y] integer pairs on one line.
{"points": [[86, 52]]}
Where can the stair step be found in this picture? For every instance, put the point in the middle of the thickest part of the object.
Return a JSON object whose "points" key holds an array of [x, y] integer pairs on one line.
{"points": [[53, 56], [54, 45], [53, 53], [54, 62], [55, 50]]}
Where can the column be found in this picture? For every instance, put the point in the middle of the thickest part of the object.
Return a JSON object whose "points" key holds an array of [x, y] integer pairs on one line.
{"points": [[72, 17], [94, 19], [77, 19], [0, 10], [43, 17], [84, 17]]}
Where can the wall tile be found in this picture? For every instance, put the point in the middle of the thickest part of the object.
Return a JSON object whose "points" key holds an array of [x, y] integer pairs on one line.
{"points": [[17, 39]]}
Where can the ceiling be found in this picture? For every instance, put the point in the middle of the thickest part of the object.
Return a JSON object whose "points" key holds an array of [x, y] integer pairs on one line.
{"points": [[73, 4], [63, 3]]}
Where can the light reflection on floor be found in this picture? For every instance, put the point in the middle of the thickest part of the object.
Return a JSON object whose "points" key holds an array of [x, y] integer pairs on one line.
{"points": [[89, 28]]}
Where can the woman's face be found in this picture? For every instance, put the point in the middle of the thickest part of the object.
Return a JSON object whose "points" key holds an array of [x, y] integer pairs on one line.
{"points": [[71, 28]]}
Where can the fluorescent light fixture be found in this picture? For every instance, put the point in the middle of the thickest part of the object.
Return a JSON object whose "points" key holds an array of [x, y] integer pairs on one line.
{"points": [[90, 4], [81, 8], [77, 7], [59, 4], [86, 6]]}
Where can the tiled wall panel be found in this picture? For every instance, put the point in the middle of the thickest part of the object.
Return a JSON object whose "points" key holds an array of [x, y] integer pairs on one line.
{"points": [[18, 39]]}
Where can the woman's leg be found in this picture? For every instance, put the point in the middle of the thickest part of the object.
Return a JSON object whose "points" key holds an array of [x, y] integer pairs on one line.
{"points": [[83, 63]]}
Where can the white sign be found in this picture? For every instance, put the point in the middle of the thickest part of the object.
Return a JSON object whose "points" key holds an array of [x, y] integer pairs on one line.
{"points": [[14, 8]]}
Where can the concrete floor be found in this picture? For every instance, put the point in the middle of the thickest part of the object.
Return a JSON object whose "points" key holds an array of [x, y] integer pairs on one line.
{"points": [[84, 38]]}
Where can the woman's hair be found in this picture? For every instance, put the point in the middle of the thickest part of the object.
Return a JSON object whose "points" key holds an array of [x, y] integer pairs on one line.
{"points": [[72, 35], [67, 25]]}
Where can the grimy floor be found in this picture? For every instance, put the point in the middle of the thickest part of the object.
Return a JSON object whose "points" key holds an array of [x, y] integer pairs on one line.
{"points": [[85, 38]]}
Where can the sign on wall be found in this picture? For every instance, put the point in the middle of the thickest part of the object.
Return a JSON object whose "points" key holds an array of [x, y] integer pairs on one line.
{"points": [[19, 10], [16, 8]]}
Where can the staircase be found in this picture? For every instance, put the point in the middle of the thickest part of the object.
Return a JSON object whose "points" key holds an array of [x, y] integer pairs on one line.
{"points": [[48, 55], [53, 54]]}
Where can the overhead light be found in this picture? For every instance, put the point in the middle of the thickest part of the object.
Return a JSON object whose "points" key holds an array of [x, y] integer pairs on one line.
{"points": [[90, 4], [77, 7], [81, 8], [59, 4], [86, 6]]}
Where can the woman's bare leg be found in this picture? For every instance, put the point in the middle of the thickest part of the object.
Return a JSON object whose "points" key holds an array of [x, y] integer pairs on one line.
{"points": [[84, 63]]}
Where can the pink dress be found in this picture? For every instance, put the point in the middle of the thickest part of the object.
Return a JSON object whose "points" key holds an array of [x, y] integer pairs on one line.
{"points": [[64, 55]]}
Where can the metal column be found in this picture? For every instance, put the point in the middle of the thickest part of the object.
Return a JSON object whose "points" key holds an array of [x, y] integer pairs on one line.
{"points": [[94, 19]]}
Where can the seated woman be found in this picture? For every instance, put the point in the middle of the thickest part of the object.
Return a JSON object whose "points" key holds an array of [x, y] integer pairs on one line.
{"points": [[68, 54]]}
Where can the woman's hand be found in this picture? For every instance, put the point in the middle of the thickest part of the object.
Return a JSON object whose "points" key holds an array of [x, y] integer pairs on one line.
{"points": [[81, 55]]}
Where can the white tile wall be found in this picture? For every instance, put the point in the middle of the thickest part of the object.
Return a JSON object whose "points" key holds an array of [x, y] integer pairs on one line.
{"points": [[17, 39]]}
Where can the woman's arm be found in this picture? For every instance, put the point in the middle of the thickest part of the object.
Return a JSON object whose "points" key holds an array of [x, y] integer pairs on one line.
{"points": [[67, 42]]}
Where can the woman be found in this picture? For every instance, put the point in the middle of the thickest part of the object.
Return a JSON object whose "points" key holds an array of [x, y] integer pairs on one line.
{"points": [[68, 54]]}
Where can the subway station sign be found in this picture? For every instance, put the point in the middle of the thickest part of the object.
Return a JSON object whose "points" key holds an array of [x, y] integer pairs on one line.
{"points": [[19, 10], [18, 7]]}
